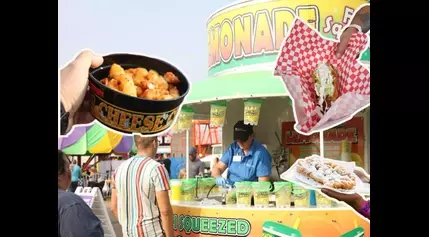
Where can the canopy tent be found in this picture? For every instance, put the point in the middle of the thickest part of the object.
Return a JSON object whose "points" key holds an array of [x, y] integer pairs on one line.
{"points": [[237, 86], [95, 139]]}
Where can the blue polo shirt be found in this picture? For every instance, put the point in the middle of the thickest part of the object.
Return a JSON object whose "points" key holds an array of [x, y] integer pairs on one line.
{"points": [[256, 163]]}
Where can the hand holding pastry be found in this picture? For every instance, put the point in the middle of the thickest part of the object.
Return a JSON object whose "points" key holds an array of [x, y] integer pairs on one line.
{"points": [[354, 200], [361, 19]]}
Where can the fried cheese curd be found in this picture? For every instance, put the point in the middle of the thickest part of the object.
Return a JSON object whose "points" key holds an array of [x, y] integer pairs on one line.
{"points": [[140, 82]]}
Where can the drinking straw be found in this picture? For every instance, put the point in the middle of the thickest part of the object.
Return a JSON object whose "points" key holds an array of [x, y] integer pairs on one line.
{"points": [[296, 224]]}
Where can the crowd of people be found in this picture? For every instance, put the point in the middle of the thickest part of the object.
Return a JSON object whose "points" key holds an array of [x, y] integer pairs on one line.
{"points": [[140, 184]]}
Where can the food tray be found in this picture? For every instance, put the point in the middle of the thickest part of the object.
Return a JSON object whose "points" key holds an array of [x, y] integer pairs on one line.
{"points": [[293, 176]]}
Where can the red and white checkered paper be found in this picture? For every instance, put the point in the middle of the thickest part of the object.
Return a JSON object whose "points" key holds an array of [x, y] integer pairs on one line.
{"points": [[302, 51]]}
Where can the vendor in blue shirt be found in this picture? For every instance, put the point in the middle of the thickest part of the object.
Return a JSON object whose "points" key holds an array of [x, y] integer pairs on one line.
{"points": [[246, 158]]}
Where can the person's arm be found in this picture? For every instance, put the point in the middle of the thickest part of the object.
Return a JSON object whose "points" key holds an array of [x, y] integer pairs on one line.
{"points": [[114, 202], [354, 200], [114, 198], [362, 19], [201, 170], [263, 169], [364, 209], [160, 180], [78, 220], [218, 169], [221, 166], [73, 90]]}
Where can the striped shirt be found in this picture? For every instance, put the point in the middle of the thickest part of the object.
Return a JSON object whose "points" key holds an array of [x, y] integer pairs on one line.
{"points": [[137, 180]]}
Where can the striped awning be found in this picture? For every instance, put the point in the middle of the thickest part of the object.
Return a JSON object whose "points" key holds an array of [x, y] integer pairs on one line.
{"points": [[95, 139]]}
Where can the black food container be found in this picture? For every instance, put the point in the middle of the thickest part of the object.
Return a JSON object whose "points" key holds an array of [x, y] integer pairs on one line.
{"points": [[128, 114]]}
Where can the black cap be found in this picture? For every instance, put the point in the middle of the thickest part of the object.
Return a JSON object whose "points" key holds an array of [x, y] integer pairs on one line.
{"points": [[242, 131], [192, 151]]}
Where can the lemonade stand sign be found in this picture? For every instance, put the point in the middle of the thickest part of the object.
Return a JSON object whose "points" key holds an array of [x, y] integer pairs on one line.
{"points": [[211, 225], [249, 34]]}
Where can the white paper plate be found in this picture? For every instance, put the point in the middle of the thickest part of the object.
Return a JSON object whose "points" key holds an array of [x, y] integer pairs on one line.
{"points": [[293, 176]]}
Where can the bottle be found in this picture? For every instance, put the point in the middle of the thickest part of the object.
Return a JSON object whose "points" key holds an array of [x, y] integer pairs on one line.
{"points": [[223, 198], [313, 198], [345, 151]]}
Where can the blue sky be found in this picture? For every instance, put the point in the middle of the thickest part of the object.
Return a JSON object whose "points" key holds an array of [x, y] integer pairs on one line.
{"points": [[170, 29]]}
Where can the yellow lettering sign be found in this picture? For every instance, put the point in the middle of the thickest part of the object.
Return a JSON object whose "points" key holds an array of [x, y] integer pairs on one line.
{"points": [[131, 122], [254, 28]]}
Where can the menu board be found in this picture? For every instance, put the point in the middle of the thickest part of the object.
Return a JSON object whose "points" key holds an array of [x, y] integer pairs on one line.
{"points": [[348, 136], [167, 140], [164, 140]]}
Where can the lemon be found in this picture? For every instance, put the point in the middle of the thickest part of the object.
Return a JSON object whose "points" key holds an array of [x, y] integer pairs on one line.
{"points": [[356, 158]]}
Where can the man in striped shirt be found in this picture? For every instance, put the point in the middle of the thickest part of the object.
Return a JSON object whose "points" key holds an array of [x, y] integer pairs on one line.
{"points": [[140, 193]]}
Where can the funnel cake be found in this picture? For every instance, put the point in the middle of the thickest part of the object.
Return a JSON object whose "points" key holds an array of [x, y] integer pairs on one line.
{"points": [[326, 173]]}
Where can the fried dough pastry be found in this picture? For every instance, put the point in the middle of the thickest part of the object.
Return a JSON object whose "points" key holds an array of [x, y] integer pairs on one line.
{"points": [[326, 86]]}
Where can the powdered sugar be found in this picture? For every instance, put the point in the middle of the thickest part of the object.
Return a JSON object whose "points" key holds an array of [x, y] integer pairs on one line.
{"points": [[294, 176]]}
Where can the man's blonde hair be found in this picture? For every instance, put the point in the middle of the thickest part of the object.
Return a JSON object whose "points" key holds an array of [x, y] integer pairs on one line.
{"points": [[144, 142]]}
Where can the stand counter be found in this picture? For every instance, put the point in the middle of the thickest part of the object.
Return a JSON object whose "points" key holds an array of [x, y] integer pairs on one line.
{"points": [[192, 218]]}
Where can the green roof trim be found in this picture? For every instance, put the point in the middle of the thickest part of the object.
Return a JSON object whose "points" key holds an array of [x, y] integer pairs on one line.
{"points": [[237, 85]]}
